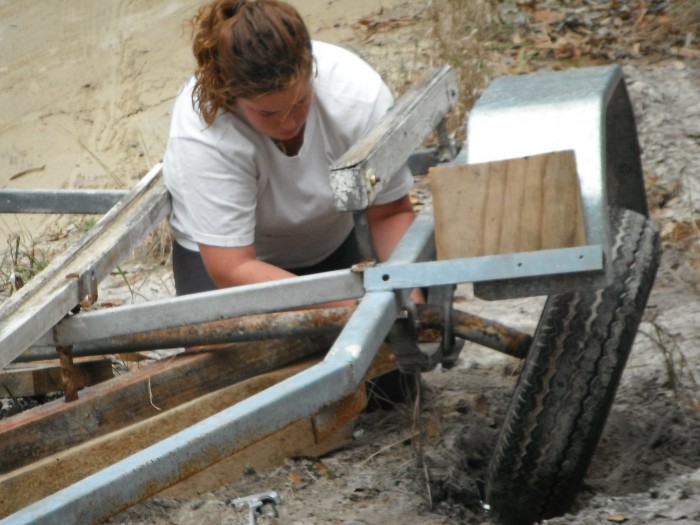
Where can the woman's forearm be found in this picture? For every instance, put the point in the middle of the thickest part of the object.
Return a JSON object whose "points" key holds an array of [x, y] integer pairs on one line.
{"points": [[387, 225]]}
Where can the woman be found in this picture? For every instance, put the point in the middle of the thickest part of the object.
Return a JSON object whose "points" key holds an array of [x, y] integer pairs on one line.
{"points": [[253, 135]]}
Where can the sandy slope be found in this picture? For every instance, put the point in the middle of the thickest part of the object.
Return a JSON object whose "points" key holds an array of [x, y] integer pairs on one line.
{"points": [[87, 87]]}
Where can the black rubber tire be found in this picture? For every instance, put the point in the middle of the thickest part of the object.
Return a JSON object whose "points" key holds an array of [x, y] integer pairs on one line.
{"points": [[568, 382]]}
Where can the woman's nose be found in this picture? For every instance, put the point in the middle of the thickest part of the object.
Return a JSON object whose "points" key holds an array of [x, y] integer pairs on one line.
{"points": [[289, 123]]}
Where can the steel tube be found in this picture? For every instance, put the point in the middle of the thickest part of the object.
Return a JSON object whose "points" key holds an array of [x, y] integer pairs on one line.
{"points": [[206, 306], [289, 324], [171, 460], [91, 202], [165, 463], [490, 334], [189, 451], [239, 329]]}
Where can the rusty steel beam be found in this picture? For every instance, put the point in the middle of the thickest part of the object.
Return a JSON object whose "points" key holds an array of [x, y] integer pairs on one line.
{"points": [[297, 323], [478, 330]]}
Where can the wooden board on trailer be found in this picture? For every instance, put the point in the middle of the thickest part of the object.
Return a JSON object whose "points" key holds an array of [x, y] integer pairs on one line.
{"points": [[313, 436], [139, 395], [41, 378], [517, 205]]}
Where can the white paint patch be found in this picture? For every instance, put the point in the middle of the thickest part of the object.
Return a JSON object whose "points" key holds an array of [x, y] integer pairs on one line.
{"points": [[354, 350]]}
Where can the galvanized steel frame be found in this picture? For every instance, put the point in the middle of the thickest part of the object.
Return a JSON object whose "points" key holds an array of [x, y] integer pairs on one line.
{"points": [[382, 290], [75, 274]]}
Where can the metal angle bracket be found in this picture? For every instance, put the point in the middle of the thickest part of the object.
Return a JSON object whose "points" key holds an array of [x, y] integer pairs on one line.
{"points": [[441, 277], [541, 263]]}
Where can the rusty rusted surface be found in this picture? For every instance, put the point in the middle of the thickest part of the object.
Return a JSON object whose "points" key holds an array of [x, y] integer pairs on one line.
{"points": [[331, 420], [69, 373], [311, 323], [475, 329], [249, 328], [490, 334]]}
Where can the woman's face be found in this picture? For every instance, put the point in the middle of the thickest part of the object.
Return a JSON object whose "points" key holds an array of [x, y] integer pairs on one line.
{"points": [[280, 115]]}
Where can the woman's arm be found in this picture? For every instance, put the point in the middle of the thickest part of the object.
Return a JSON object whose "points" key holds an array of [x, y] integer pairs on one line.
{"points": [[387, 224], [237, 266]]}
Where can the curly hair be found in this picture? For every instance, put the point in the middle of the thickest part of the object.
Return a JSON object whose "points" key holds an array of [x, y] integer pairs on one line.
{"points": [[246, 48]]}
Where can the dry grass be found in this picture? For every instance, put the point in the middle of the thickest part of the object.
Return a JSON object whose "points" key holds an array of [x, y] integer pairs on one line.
{"points": [[20, 262], [685, 20], [459, 29], [679, 370]]}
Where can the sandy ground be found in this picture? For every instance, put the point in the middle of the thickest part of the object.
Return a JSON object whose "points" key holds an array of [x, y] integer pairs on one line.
{"points": [[87, 89]]}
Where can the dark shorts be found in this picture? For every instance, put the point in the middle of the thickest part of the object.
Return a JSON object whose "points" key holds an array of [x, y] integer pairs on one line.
{"points": [[191, 276]]}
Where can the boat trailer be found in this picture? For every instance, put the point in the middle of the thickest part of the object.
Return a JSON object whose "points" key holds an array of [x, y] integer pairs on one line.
{"points": [[519, 124]]}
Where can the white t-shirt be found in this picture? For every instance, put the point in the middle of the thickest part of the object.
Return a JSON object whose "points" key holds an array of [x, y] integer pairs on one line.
{"points": [[232, 187]]}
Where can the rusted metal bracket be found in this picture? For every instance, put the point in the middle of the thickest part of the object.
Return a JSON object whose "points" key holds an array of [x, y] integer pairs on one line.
{"points": [[69, 373]]}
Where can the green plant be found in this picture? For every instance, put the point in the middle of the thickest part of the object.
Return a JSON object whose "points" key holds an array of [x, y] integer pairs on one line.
{"points": [[21, 262], [84, 225]]}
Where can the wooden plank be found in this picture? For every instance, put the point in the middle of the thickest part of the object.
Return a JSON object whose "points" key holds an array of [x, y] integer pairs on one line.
{"points": [[139, 395], [517, 205], [299, 439], [52, 294], [41, 478], [42, 378], [306, 437]]}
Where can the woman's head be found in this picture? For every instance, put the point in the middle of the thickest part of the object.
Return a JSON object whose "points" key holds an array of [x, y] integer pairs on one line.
{"points": [[247, 48]]}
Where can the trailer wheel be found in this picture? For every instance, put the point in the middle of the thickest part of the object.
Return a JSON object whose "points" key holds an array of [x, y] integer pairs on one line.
{"points": [[568, 382]]}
